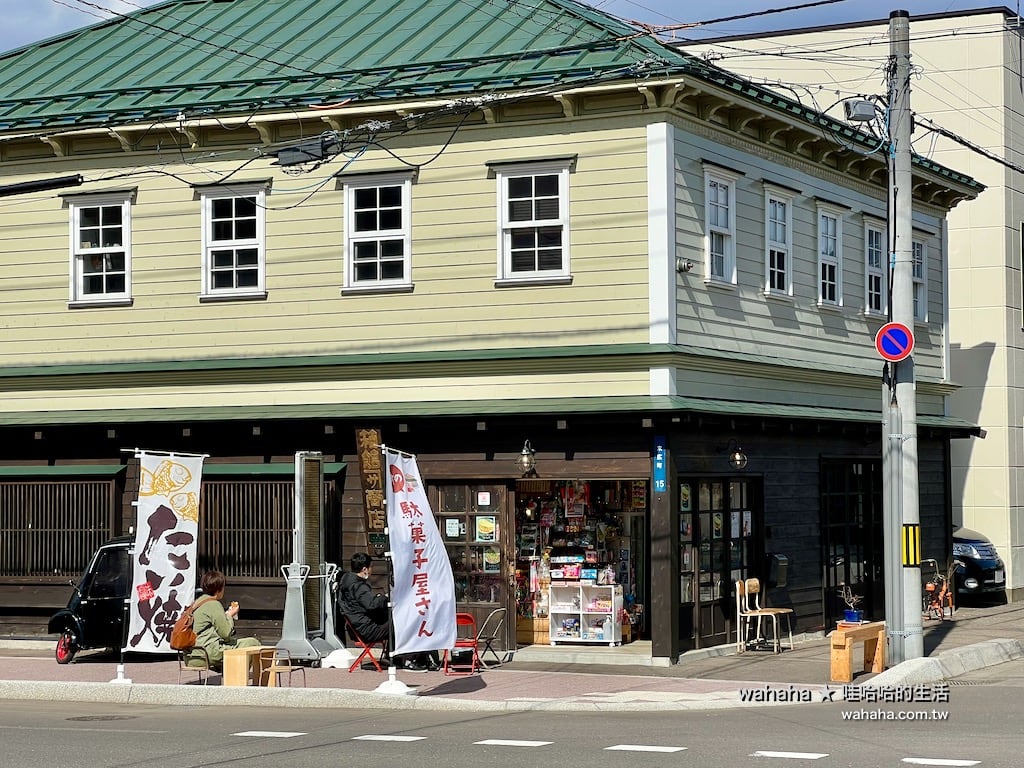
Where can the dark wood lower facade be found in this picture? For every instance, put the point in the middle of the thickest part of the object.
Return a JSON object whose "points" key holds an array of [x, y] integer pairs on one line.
{"points": [[808, 499]]}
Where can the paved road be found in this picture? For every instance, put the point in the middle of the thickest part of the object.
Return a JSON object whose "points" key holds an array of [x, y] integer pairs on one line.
{"points": [[982, 729]]}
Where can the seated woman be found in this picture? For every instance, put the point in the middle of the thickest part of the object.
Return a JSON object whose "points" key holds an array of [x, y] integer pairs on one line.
{"points": [[214, 626]]}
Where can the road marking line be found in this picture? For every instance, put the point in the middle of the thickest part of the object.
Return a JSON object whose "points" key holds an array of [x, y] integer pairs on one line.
{"points": [[270, 734], [937, 761], [643, 748], [375, 737], [793, 755], [511, 743]]}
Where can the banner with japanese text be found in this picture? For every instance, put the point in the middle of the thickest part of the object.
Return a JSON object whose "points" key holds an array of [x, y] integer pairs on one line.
{"points": [[423, 595], [164, 559]]}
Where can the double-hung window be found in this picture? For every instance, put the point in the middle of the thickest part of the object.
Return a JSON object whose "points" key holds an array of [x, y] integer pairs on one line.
{"points": [[234, 241], [720, 225], [100, 248], [920, 286], [533, 221], [875, 270], [778, 236], [378, 235], [830, 257]]}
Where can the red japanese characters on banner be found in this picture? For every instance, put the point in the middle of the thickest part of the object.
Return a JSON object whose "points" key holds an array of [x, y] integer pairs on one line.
{"points": [[423, 595]]}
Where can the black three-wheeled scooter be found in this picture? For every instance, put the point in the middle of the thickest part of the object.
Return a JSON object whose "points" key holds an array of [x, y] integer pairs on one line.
{"points": [[94, 616]]}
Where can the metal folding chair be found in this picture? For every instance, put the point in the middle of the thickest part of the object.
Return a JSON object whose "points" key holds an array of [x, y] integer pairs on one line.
{"points": [[367, 648], [489, 632], [465, 641], [200, 669]]}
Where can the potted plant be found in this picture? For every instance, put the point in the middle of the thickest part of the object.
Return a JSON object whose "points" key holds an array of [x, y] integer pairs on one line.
{"points": [[852, 614]]}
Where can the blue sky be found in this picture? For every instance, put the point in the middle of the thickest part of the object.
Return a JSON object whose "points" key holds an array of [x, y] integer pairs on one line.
{"points": [[26, 21]]}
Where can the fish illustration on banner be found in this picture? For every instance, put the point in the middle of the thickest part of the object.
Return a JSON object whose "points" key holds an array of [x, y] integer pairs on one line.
{"points": [[166, 533], [423, 595]]}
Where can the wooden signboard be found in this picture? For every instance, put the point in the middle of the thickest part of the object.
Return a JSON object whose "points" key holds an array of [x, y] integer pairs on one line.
{"points": [[371, 475]]}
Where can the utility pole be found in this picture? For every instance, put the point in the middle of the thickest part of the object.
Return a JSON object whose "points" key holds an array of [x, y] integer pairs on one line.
{"points": [[901, 513]]}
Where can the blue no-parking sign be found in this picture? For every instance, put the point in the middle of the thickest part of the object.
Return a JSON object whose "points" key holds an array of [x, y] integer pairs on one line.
{"points": [[894, 342]]}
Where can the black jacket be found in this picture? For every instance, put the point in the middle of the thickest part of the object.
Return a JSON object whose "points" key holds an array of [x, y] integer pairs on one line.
{"points": [[367, 611]]}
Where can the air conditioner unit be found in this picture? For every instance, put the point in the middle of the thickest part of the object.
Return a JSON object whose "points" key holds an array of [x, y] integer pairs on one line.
{"points": [[859, 110]]}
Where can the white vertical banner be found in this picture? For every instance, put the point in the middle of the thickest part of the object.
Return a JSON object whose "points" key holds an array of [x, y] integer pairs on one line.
{"points": [[423, 597], [164, 562]]}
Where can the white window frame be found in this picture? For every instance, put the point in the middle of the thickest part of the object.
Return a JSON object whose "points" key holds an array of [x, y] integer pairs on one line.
{"points": [[774, 246], [715, 228], [80, 250], [876, 268], [830, 256], [208, 195], [504, 173], [402, 233], [919, 273]]}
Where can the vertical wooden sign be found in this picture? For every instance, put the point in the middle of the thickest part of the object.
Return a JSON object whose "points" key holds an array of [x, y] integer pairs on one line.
{"points": [[371, 474]]}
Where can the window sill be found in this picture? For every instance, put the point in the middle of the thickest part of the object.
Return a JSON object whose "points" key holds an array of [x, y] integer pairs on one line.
{"points": [[358, 290], [87, 303], [215, 297], [785, 298], [720, 285], [515, 282], [872, 314], [834, 309]]}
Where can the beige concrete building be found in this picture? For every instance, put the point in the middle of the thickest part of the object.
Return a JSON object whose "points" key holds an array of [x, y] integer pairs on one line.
{"points": [[967, 81]]}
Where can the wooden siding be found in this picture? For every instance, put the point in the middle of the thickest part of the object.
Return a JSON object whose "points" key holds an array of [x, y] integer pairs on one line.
{"points": [[370, 390], [795, 330], [454, 305]]}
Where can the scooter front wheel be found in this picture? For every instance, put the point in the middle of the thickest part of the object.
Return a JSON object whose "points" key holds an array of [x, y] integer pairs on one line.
{"points": [[66, 647]]}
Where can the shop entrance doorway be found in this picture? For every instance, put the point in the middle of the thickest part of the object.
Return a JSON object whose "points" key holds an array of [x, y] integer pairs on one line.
{"points": [[476, 524], [721, 541], [581, 567], [852, 535]]}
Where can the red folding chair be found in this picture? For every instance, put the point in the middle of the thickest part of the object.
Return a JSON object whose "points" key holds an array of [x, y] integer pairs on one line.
{"points": [[367, 648], [465, 641]]}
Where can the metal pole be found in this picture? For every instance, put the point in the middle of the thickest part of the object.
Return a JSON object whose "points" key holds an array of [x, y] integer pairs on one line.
{"points": [[903, 570]]}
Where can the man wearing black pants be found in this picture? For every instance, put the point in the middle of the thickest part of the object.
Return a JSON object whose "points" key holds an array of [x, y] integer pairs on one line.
{"points": [[369, 612]]}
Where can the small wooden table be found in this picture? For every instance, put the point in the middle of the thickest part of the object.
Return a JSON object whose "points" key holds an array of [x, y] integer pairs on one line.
{"points": [[242, 666], [846, 637]]}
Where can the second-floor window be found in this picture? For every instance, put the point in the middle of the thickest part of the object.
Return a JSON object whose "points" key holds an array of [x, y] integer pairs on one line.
{"points": [[100, 248], [234, 240], [533, 216], [920, 287], [875, 269], [378, 236], [830, 257], [720, 222], [778, 244]]}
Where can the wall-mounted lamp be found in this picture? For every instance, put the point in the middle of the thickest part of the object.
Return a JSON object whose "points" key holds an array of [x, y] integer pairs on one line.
{"points": [[737, 458], [683, 265], [527, 459]]}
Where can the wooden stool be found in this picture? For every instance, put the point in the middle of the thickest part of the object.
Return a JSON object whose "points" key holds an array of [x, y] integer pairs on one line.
{"points": [[872, 635]]}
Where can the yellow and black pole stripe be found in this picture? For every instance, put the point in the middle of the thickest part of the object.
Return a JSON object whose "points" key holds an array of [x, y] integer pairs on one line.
{"points": [[911, 546]]}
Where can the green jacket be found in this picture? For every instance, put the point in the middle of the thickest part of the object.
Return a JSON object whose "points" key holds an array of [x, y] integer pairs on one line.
{"points": [[215, 631]]}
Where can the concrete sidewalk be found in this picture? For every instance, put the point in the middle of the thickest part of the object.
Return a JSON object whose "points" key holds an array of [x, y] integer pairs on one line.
{"points": [[538, 678]]}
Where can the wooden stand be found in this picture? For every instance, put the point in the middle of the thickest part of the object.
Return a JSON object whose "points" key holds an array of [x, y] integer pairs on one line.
{"points": [[846, 637], [242, 666], [532, 630]]}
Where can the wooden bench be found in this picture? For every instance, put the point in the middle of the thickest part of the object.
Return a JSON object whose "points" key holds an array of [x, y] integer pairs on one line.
{"points": [[872, 635]]}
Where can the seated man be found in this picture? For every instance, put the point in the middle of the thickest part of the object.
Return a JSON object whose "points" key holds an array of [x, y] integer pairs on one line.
{"points": [[369, 612]]}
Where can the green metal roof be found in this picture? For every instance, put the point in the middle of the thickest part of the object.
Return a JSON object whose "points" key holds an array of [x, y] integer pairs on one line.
{"points": [[63, 470], [280, 468], [645, 404], [222, 57]]}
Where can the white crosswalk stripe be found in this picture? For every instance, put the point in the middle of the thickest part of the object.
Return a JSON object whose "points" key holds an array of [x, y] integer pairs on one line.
{"points": [[271, 734], [376, 737], [938, 761], [643, 748], [791, 755], [511, 743]]}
